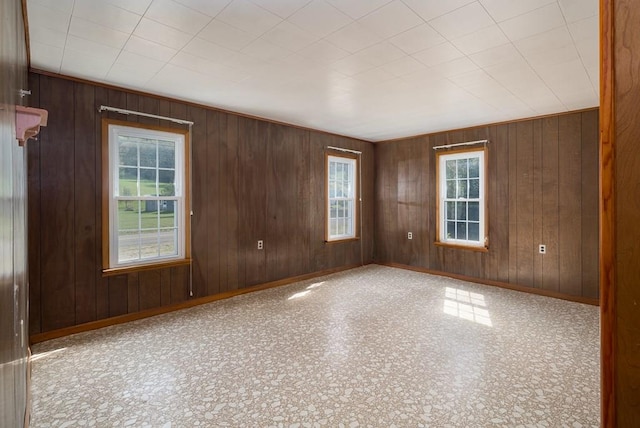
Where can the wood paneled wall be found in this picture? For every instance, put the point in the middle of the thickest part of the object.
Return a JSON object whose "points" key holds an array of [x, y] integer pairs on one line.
{"points": [[13, 235], [252, 180], [542, 189], [620, 171]]}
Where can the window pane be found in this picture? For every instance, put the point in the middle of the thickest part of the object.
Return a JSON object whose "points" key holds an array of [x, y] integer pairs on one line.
{"points": [[451, 230], [127, 151], [148, 182], [128, 182], [451, 189], [461, 230], [128, 246], [451, 210], [474, 232], [462, 168], [167, 210], [461, 210], [168, 242], [128, 215], [149, 244], [333, 227], [462, 189], [474, 167], [451, 169], [474, 211], [148, 153], [166, 182], [334, 210], [474, 188], [166, 154]]}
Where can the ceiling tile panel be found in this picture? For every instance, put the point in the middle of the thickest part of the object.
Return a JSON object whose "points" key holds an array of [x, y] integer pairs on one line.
{"points": [[430, 9], [97, 33], [404, 66], [439, 54], [162, 34], [282, 8], [323, 52], [498, 55], [41, 16], [106, 14], [576, 10], [417, 39], [379, 54], [358, 8], [208, 50], [266, 51], [138, 7], [463, 21], [354, 37], [535, 22], [45, 57], [226, 35], [149, 49], [320, 18], [248, 17], [289, 36], [47, 36], [210, 8], [481, 40], [391, 19], [501, 10], [63, 6], [177, 16]]}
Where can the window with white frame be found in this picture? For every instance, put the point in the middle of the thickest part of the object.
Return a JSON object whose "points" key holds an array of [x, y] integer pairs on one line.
{"points": [[341, 197], [147, 195], [461, 198]]}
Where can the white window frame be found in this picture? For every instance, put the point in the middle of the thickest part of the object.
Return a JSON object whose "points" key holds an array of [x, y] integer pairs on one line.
{"points": [[111, 250], [443, 237], [351, 198]]}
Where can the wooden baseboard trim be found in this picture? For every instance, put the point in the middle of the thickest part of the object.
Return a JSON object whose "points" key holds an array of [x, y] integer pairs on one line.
{"points": [[121, 319], [514, 287]]}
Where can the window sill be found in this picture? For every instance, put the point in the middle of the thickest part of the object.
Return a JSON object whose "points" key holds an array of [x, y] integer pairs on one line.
{"points": [[339, 241], [142, 267], [479, 249]]}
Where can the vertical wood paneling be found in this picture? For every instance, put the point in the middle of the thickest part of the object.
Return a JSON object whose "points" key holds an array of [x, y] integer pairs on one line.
{"points": [[589, 180], [525, 176], [570, 200], [550, 203], [524, 206], [199, 201], [620, 211], [102, 284], [232, 159], [85, 180], [57, 207], [212, 196]]}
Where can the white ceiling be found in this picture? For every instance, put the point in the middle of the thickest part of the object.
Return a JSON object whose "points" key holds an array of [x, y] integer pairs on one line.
{"points": [[371, 69]]}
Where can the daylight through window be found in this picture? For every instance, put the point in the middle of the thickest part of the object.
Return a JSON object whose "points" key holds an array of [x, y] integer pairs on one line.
{"points": [[341, 197]]}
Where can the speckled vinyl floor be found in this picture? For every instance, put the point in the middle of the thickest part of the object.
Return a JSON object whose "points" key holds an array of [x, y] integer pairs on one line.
{"points": [[370, 347]]}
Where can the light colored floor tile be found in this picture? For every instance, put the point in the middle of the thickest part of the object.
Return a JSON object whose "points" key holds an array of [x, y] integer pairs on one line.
{"points": [[370, 347]]}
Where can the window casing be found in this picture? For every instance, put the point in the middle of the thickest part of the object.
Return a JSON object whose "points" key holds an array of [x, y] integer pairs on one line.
{"points": [[341, 190], [146, 196], [461, 198]]}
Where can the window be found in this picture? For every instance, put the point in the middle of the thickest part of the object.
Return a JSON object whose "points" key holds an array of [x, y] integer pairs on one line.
{"points": [[461, 199], [145, 211], [341, 197]]}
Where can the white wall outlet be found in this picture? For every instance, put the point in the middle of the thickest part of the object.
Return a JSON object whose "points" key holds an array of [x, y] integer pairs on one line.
{"points": [[542, 249], [410, 235], [260, 244]]}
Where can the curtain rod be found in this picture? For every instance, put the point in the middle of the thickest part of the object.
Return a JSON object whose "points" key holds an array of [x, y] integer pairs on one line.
{"points": [[344, 150], [468, 143], [137, 113]]}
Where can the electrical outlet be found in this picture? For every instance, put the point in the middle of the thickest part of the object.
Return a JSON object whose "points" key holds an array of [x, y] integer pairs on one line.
{"points": [[542, 249], [260, 244], [409, 235]]}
